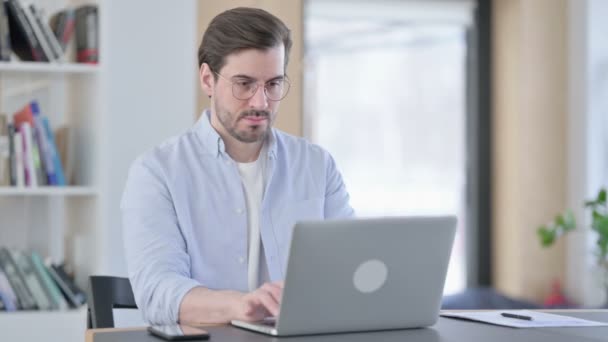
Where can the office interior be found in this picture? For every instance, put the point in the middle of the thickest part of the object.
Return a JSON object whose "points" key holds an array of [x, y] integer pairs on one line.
{"points": [[491, 110]]}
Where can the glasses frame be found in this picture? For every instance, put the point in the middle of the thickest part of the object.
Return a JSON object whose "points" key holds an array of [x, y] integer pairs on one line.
{"points": [[257, 86]]}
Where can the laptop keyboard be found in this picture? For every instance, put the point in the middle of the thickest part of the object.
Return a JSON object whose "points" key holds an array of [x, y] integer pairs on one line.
{"points": [[270, 322]]}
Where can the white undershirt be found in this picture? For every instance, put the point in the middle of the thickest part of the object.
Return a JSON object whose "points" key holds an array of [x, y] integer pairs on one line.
{"points": [[253, 178]]}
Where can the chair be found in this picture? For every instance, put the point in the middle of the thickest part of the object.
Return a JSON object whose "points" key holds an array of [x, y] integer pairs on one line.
{"points": [[108, 293]]}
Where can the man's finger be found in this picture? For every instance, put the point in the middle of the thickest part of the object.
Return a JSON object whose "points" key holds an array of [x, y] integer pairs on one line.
{"points": [[275, 290], [269, 302]]}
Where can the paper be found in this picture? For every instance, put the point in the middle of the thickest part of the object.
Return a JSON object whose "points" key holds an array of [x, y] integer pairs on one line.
{"points": [[539, 319]]}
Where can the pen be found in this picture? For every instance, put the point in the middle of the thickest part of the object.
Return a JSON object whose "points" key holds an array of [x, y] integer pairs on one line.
{"points": [[510, 315]]}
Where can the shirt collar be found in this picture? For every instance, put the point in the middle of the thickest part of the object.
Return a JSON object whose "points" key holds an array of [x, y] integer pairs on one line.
{"points": [[212, 142]]}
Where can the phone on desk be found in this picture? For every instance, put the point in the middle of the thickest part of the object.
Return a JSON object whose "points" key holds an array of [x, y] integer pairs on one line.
{"points": [[178, 332]]}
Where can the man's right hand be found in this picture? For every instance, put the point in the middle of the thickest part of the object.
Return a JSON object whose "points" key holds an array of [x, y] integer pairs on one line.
{"points": [[259, 304]]}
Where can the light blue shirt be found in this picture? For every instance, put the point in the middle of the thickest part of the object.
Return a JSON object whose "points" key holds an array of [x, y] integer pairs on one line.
{"points": [[185, 220]]}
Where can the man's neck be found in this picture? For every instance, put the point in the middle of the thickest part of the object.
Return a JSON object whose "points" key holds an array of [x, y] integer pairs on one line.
{"points": [[242, 152]]}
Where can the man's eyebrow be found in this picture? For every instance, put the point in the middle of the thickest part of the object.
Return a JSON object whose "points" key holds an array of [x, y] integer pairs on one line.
{"points": [[241, 76]]}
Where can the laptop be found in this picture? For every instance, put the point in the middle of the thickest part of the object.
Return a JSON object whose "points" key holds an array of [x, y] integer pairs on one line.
{"points": [[362, 275]]}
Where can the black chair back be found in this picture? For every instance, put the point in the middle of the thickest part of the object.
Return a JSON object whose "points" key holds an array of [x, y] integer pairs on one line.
{"points": [[106, 294]]}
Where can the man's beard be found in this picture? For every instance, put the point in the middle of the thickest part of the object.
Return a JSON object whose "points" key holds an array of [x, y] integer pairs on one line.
{"points": [[250, 135]]}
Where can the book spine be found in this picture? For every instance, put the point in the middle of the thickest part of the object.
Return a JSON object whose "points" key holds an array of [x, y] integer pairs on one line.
{"points": [[5, 35], [12, 156], [19, 159], [10, 298], [48, 33], [15, 8], [45, 48], [31, 178], [86, 34], [24, 296], [65, 287], [5, 166], [57, 167], [67, 28], [32, 281], [49, 283], [43, 145]]}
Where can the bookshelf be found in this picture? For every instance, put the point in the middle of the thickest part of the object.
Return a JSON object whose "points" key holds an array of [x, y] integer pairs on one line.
{"points": [[59, 222], [49, 191], [41, 68], [140, 94]]}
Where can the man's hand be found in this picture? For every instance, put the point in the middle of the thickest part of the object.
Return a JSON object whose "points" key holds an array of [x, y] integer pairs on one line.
{"points": [[259, 304]]}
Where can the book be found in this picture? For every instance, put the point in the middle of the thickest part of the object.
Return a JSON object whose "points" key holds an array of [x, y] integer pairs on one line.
{"points": [[22, 39], [72, 292], [54, 153], [42, 41], [52, 287], [62, 25], [43, 145], [19, 165], [32, 281], [8, 295], [63, 140], [49, 36], [5, 36], [12, 157], [24, 296], [29, 166], [87, 42], [5, 161]]}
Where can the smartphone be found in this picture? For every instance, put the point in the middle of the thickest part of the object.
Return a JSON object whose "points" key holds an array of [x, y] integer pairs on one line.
{"points": [[178, 332]]}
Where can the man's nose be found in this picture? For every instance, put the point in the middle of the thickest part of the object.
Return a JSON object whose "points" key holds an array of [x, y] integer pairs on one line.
{"points": [[259, 100]]}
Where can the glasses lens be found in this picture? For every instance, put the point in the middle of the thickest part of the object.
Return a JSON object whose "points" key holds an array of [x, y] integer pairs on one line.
{"points": [[244, 90], [275, 90]]}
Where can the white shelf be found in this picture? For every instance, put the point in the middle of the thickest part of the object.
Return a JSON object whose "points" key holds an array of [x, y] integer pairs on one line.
{"points": [[46, 67], [49, 191], [44, 325]]}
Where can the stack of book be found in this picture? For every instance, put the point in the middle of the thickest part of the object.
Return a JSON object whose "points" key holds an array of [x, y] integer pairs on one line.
{"points": [[28, 283], [29, 156], [25, 31]]}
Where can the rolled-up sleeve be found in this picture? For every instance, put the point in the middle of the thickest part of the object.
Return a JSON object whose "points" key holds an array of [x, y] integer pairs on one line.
{"points": [[337, 200], [157, 259]]}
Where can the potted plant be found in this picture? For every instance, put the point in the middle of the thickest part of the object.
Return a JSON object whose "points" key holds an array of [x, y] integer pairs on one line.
{"points": [[565, 222]]}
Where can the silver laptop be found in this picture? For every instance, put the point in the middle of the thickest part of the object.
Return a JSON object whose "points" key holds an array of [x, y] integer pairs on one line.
{"points": [[363, 275]]}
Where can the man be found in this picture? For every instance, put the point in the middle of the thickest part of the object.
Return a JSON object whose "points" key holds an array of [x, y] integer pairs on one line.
{"points": [[208, 215]]}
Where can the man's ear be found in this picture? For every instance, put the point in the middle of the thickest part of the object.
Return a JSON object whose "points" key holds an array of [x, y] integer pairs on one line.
{"points": [[207, 80]]}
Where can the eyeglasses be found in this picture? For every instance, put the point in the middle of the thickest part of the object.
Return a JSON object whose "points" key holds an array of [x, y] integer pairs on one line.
{"points": [[244, 89]]}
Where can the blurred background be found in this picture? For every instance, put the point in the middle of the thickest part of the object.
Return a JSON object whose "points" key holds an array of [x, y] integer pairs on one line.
{"points": [[495, 111]]}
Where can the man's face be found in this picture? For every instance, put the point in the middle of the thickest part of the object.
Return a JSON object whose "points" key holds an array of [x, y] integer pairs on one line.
{"points": [[248, 120]]}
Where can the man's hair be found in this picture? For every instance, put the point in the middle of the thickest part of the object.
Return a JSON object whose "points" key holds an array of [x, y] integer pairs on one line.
{"points": [[239, 29]]}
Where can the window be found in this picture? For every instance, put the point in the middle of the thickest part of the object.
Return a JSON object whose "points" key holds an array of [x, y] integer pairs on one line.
{"points": [[385, 89]]}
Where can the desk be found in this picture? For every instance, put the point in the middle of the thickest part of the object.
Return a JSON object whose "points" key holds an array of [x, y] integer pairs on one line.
{"points": [[446, 330]]}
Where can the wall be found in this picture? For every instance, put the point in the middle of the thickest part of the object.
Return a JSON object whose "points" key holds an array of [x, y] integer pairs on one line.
{"points": [[529, 168], [291, 12], [147, 97]]}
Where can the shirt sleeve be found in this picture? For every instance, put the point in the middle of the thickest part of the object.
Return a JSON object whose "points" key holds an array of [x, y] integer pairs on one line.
{"points": [[155, 250], [337, 200]]}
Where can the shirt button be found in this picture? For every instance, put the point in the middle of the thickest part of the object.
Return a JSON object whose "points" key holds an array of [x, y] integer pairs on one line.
{"points": [[239, 211], [241, 260]]}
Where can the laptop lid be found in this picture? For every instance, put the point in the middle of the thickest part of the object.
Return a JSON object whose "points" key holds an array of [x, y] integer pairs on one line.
{"points": [[365, 274]]}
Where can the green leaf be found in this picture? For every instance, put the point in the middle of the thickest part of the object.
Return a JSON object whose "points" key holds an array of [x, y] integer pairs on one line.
{"points": [[595, 215], [602, 226], [559, 220], [546, 236], [601, 197]]}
